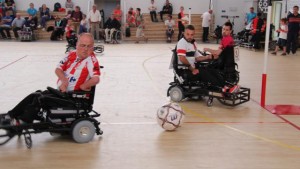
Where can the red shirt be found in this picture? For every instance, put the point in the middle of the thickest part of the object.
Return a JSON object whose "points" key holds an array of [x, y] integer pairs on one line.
{"points": [[226, 41]]}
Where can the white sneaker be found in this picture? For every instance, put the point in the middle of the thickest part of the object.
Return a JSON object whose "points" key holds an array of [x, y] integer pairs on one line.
{"points": [[43, 29], [40, 26], [98, 41]]}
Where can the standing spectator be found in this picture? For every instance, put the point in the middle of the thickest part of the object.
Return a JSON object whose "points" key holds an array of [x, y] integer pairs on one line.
{"points": [[10, 5], [6, 26], [181, 23], [94, 18], [32, 12], [83, 24], [170, 23], [257, 26], [294, 28], [167, 9], [130, 19], [111, 25], [140, 26], [118, 13], [1, 7], [283, 29], [17, 24], [250, 16], [76, 17], [206, 21], [45, 16], [152, 8], [69, 5]]}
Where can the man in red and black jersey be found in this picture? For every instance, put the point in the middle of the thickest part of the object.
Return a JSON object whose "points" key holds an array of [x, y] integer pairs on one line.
{"points": [[79, 71], [293, 30]]}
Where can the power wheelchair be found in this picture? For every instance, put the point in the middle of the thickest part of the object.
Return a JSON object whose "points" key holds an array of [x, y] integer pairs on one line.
{"points": [[184, 86], [76, 118], [72, 44]]}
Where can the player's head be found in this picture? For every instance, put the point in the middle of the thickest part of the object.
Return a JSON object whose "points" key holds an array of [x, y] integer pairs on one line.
{"points": [[85, 45], [295, 9], [189, 33], [227, 29]]}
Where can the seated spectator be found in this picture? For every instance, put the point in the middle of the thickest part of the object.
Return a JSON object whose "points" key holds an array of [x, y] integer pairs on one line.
{"points": [[118, 13], [167, 9], [9, 5], [76, 16], [83, 24], [111, 25], [17, 24], [152, 8], [58, 28], [69, 5], [31, 11], [30, 23], [2, 7], [131, 9], [170, 23], [6, 26], [69, 29], [130, 19], [45, 16]]}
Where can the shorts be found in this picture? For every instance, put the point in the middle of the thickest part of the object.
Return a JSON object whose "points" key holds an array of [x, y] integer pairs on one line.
{"points": [[281, 42], [139, 32]]}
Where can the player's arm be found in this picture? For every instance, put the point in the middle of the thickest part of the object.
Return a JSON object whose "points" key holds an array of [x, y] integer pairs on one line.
{"points": [[214, 53], [86, 86]]}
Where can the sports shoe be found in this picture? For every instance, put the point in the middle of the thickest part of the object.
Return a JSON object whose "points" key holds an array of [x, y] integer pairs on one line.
{"points": [[283, 54], [273, 53], [234, 89], [43, 29], [40, 26]]}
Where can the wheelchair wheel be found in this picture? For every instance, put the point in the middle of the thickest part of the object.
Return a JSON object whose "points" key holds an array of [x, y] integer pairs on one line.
{"points": [[99, 48], [117, 37], [209, 102], [176, 94], [83, 131]]}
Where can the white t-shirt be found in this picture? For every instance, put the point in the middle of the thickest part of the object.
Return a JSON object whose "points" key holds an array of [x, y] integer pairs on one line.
{"points": [[206, 18], [94, 16], [152, 7], [283, 35], [187, 49], [170, 23]]}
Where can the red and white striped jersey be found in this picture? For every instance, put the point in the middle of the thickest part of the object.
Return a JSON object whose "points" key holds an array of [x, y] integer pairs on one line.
{"points": [[78, 71]]}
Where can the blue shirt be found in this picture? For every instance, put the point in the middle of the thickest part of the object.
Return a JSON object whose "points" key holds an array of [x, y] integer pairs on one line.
{"points": [[31, 11], [7, 17], [250, 16]]}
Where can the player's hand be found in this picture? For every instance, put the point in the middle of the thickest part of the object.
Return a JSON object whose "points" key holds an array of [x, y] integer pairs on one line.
{"points": [[85, 88], [64, 85], [195, 71]]}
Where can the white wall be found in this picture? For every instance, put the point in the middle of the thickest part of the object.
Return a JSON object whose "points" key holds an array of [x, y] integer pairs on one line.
{"points": [[24, 4]]}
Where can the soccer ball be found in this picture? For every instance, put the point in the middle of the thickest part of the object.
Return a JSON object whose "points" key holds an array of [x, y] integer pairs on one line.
{"points": [[170, 116]]}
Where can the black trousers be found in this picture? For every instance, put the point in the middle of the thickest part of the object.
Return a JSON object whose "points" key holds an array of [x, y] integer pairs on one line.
{"points": [[7, 30], [164, 12], [205, 34], [209, 75], [180, 32], [153, 16], [256, 39], [15, 30], [292, 42]]}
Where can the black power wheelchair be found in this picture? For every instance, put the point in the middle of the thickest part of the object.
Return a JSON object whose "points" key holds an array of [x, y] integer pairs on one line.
{"points": [[184, 86], [76, 118], [72, 44]]}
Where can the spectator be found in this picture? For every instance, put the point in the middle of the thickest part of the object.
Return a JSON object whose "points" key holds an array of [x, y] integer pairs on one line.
{"points": [[181, 23], [94, 18], [118, 13], [130, 19], [76, 17], [6, 26], [111, 25], [131, 9], [206, 21], [283, 30], [256, 32], [250, 16], [170, 23], [2, 7], [83, 24], [30, 23], [69, 5], [58, 28], [294, 28], [152, 8], [69, 29], [17, 24], [139, 20], [167, 9], [32, 12], [45, 16], [9, 5]]}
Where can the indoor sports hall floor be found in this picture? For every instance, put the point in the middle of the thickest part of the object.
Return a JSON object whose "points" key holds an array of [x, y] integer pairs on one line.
{"points": [[133, 86]]}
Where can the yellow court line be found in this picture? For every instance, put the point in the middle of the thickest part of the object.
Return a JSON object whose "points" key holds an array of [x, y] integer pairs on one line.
{"points": [[187, 110]]}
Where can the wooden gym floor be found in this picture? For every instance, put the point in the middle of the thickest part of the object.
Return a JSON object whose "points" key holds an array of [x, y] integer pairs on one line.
{"points": [[133, 86]]}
